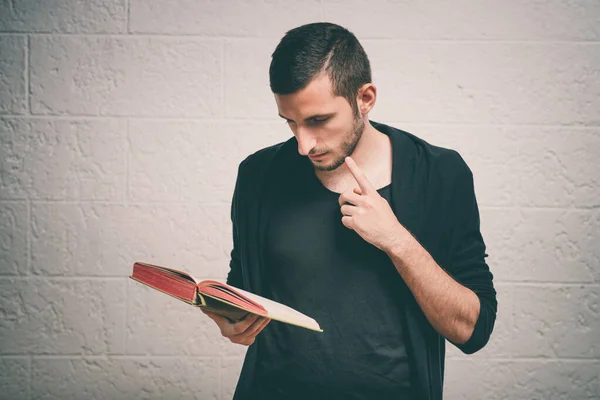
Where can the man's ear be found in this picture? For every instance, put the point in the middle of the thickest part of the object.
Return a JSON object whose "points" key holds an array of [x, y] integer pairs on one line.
{"points": [[367, 95]]}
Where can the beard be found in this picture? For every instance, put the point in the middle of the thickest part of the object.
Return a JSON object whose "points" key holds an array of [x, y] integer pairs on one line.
{"points": [[348, 145]]}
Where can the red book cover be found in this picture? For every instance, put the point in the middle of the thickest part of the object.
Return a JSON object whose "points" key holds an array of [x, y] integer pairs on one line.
{"points": [[231, 302]]}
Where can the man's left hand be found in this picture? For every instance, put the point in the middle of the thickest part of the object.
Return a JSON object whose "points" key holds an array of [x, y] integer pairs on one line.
{"points": [[368, 214]]}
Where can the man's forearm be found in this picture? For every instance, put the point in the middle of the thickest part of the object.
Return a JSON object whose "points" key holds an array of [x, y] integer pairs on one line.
{"points": [[450, 308]]}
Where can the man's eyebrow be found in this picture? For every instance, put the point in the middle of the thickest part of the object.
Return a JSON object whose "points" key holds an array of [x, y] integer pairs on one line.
{"points": [[312, 116]]}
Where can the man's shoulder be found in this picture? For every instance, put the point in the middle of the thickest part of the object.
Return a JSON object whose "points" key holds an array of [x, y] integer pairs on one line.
{"points": [[447, 160], [441, 167], [262, 157], [266, 163], [450, 169], [437, 159]]}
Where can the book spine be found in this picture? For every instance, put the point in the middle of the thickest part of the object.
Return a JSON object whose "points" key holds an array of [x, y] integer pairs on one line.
{"points": [[198, 299]]}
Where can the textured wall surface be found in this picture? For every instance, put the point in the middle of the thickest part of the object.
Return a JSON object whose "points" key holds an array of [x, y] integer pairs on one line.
{"points": [[122, 123]]}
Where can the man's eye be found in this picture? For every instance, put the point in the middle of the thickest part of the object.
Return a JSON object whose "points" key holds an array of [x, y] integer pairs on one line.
{"points": [[319, 121]]}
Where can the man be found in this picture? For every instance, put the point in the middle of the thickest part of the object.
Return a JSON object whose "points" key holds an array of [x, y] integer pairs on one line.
{"points": [[368, 229]]}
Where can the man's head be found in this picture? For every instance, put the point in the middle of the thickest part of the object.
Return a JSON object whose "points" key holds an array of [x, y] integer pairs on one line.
{"points": [[319, 73]]}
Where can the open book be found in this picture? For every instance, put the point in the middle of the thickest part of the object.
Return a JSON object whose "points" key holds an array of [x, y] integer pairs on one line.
{"points": [[220, 298]]}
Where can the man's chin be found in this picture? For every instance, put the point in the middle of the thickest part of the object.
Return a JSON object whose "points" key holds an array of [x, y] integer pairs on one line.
{"points": [[331, 166]]}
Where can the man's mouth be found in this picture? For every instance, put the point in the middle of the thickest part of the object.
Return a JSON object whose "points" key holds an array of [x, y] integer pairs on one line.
{"points": [[317, 156]]}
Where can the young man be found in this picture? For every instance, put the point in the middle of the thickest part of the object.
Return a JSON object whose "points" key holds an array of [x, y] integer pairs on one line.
{"points": [[367, 228]]}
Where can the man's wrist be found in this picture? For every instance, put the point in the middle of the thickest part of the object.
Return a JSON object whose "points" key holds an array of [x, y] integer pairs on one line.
{"points": [[400, 244]]}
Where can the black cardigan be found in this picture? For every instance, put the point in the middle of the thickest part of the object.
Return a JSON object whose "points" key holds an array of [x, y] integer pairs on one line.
{"points": [[432, 196]]}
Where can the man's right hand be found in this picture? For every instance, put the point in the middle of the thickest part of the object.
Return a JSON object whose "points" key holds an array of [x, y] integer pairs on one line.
{"points": [[242, 332]]}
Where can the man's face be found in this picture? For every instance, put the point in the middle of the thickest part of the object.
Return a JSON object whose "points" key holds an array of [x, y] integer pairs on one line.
{"points": [[322, 123]]}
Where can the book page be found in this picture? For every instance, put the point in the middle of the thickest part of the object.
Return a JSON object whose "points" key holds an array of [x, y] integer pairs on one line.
{"points": [[281, 312]]}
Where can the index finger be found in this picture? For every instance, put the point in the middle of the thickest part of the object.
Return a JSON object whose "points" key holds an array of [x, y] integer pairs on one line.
{"points": [[360, 176]]}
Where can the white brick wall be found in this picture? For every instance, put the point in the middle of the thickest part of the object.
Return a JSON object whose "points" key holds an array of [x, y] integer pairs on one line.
{"points": [[122, 123]]}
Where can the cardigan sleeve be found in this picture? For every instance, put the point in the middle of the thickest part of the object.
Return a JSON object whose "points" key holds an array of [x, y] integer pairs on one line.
{"points": [[234, 276], [467, 257]]}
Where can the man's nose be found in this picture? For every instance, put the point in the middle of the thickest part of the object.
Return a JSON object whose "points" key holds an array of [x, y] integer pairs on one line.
{"points": [[306, 142]]}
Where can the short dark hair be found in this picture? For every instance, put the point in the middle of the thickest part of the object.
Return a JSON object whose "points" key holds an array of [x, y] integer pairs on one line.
{"points": [[308, 50]]}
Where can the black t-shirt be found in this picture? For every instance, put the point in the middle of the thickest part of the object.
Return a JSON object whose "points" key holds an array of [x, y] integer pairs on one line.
{"points": [[323, 269]]}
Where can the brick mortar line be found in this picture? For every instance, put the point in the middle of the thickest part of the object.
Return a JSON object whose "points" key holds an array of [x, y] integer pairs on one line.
{"points": [[549, 284], [127, 306], [125, 276], [528, 359], [29, 376], [538, 208], [227, 203], [127, 16], [127, 169], [28, 232], [233, 358], [27, 76], [24, 356], [222, 77], [220, 377], [138, 118], [121, 357], [133, 34], [127, 36], [479, 41], [71, 278], [322, 11], [114, 203]]}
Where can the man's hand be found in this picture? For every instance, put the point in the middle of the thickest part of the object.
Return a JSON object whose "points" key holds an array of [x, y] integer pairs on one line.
{"points": [[242, 332], [369, 214]]}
